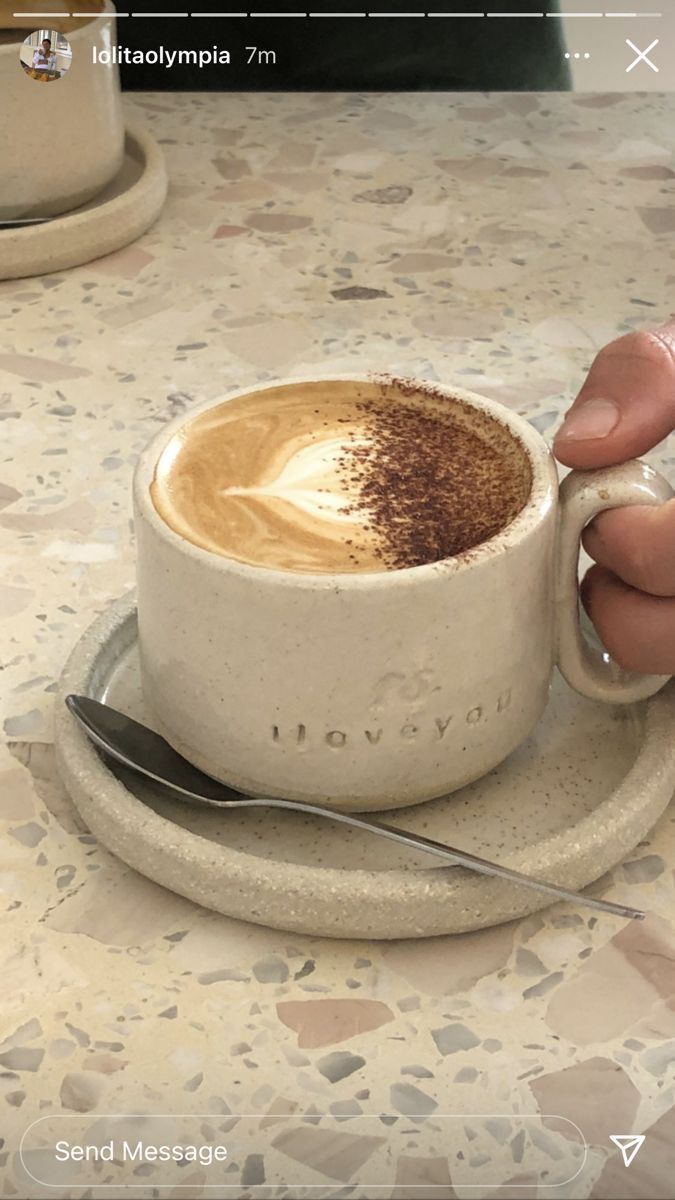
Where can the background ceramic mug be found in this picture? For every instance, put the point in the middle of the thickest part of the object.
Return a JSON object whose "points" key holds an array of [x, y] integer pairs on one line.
{"points": [[60, 142], [376, 690]]}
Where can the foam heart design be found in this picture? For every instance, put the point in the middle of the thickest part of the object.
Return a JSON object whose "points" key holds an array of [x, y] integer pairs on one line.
{"points": [[312, 480]]}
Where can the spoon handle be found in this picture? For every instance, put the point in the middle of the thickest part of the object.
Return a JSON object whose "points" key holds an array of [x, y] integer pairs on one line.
{"points": [[450, 854]]}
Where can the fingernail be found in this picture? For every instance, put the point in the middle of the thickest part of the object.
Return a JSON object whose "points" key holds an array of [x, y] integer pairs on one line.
{"points": [[592, 420]]}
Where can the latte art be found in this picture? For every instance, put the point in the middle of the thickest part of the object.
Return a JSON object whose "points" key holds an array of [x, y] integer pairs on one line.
{"points": [[340, 477], [310, 480]]}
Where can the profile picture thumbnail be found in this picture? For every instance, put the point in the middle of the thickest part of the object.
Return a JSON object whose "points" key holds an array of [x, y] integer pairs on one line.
{"points": [[46, 55]]}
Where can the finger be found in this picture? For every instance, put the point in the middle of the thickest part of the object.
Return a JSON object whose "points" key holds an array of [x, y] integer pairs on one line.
{"points": [[637, 544], [627, 403], [638, 630]]}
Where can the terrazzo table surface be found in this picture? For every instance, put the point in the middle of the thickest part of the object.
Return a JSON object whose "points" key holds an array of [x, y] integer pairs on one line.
{"points": [[498, 241]]}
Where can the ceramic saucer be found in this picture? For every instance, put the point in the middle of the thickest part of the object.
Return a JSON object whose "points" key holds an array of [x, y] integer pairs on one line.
{"points": [[116, 216], [567, 805]]}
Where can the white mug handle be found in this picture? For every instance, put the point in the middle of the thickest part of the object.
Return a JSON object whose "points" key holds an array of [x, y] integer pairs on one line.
{"points": [[584, 494]]}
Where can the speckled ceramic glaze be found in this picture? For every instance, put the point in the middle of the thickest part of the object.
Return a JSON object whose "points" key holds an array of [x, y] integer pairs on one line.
{"points": [[375, 690], [577, 796], [60, 142]]}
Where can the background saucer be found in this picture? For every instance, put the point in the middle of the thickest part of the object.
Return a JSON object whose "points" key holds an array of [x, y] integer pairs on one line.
{"points": [[568, 805], [119, 214]]}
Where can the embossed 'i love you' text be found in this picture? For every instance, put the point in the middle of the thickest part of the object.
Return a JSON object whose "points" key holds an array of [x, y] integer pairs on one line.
{"points": [[433, 729]]}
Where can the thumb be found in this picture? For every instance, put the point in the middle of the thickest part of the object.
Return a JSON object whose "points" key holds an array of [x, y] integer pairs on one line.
{"points": [[627, 404]]}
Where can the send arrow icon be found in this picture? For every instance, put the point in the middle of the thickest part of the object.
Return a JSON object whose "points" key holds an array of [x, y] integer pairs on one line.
{"points": [[628, 1143]]}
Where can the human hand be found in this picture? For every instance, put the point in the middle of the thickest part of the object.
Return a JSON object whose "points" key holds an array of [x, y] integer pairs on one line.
{"points": [[625, 407]]}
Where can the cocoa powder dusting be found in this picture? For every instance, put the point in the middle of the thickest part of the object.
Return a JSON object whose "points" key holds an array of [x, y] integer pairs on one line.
{"points": [[428, 487]]}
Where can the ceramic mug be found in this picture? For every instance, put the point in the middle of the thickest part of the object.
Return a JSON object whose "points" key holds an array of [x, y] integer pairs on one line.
{"points": [[60, 142], [376, 690]]}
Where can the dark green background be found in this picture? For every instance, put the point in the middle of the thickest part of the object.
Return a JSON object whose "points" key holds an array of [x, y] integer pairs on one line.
{"points": [[373, 54]]}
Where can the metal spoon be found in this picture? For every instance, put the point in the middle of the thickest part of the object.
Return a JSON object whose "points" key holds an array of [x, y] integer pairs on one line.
{"points": [[144, 751]]}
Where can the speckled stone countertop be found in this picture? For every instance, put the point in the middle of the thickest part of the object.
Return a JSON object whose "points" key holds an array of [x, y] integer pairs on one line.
{"points": [[497, 241]]}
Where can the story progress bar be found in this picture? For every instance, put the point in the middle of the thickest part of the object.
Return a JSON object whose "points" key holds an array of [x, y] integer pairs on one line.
{"points": [[408, 15]]}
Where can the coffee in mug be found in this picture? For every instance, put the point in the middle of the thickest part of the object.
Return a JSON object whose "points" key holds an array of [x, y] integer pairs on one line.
{"points": [[315, 480]]}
